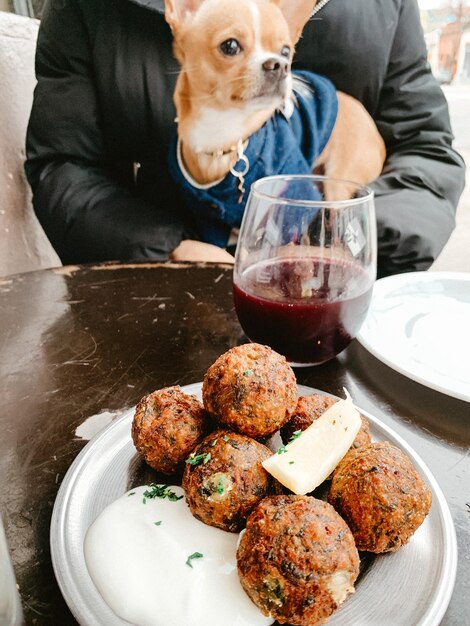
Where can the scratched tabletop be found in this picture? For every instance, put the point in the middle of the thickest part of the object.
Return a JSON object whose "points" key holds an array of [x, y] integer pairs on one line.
{"points": [[81, 345]]}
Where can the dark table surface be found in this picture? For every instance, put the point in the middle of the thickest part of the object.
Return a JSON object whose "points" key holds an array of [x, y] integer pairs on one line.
{"points": [[78, 342]]}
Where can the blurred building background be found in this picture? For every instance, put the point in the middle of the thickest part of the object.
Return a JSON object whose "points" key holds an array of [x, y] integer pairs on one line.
{"points": [[446, 26]]}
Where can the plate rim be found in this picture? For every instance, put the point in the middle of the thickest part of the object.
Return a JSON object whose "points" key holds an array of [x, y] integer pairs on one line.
{"points": [[424, 276], [57, 543]]}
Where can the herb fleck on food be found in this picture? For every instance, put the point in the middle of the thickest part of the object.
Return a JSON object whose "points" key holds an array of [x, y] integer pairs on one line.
{"points": [[196, 459], [194, 555], [161, 491], [295, 435]]}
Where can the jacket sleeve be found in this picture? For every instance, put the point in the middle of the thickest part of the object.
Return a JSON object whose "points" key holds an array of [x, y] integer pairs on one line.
{"points": [[423, 178], [87, 215]]}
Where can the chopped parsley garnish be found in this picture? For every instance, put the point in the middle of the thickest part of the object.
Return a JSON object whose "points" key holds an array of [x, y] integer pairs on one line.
{"points": [[196, 459], [247, 372], [161, 491], [295, 435], [158, 523], [213, 442], [220, 486], [194, 555], [225, 438], [291, 462], [132, 493]]}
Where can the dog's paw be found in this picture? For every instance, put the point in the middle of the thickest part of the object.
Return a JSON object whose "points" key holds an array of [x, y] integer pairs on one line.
{"points": [[198, 251]]}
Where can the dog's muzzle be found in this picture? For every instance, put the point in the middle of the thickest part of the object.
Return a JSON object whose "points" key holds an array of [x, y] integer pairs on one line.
{"points": [[275, 68], [274, 74]]}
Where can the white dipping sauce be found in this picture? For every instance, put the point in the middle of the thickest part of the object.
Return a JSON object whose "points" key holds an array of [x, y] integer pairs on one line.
{"points": [[140, 567]]}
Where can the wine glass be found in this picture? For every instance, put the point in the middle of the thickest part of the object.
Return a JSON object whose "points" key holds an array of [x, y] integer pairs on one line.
{"points": [[305, 265]]}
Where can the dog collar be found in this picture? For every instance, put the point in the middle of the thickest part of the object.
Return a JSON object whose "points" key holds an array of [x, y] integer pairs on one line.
{"points": [[241, 166], [239, 147], [187, 175], [239, 169]]}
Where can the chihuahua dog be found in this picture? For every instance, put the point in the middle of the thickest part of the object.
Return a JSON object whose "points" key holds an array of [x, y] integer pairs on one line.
{"points": [[235, 58]]}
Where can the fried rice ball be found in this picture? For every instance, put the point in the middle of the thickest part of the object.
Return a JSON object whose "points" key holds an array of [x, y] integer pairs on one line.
{"points": [[167, 425], [224, 479], [250, 389], [380, 495], [308, 409], [297, 560]]}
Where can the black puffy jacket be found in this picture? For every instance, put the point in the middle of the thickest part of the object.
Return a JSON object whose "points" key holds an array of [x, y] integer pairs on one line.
{"points": [[103, 104]]}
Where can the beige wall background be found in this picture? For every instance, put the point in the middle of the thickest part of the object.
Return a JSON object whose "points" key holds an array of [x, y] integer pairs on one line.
{"points": [[4, 5]]}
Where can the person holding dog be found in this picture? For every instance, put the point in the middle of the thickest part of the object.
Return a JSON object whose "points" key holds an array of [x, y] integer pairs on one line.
{"points": [[103, 118]]}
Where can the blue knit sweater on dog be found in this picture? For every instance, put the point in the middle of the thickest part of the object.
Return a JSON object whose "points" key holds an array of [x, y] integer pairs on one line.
{"points": [[284, 145]]}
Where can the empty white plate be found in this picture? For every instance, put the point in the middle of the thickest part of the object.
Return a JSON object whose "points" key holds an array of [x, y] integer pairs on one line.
{"points": [[419, 325]]}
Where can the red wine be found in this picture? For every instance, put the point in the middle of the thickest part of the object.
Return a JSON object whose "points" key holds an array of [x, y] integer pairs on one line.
{"points": [[307, 309]]}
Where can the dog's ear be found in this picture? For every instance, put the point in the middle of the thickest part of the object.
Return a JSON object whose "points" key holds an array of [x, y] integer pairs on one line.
{"points": [[296, 13], [177, 12]]}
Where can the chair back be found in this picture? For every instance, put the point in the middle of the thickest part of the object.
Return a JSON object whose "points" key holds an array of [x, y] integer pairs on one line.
{"points": [[23, 244]]}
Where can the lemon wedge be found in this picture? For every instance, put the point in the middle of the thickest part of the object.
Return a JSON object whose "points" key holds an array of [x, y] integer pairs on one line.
{"points": [[306, 461]]}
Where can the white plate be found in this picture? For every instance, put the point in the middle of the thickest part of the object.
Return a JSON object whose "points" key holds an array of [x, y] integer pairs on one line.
{"points": [[419, 325], [411, 586]]}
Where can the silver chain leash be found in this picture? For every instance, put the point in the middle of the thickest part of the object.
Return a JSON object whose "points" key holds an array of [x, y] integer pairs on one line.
{"points": [[240, 174]]}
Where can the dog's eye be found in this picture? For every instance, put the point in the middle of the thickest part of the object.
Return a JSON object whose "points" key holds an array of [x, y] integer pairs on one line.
{"points": [[285, 51], [230, 47]]}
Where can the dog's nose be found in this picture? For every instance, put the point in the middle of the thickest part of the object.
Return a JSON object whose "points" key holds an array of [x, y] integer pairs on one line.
{"points": [[276, 66]]}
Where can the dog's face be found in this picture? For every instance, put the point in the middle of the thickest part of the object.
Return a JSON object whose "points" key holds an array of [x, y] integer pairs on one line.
{"points": [[236, 53]]}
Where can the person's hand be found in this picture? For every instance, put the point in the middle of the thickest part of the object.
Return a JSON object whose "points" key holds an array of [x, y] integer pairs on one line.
{"points": [[190, 250]]}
